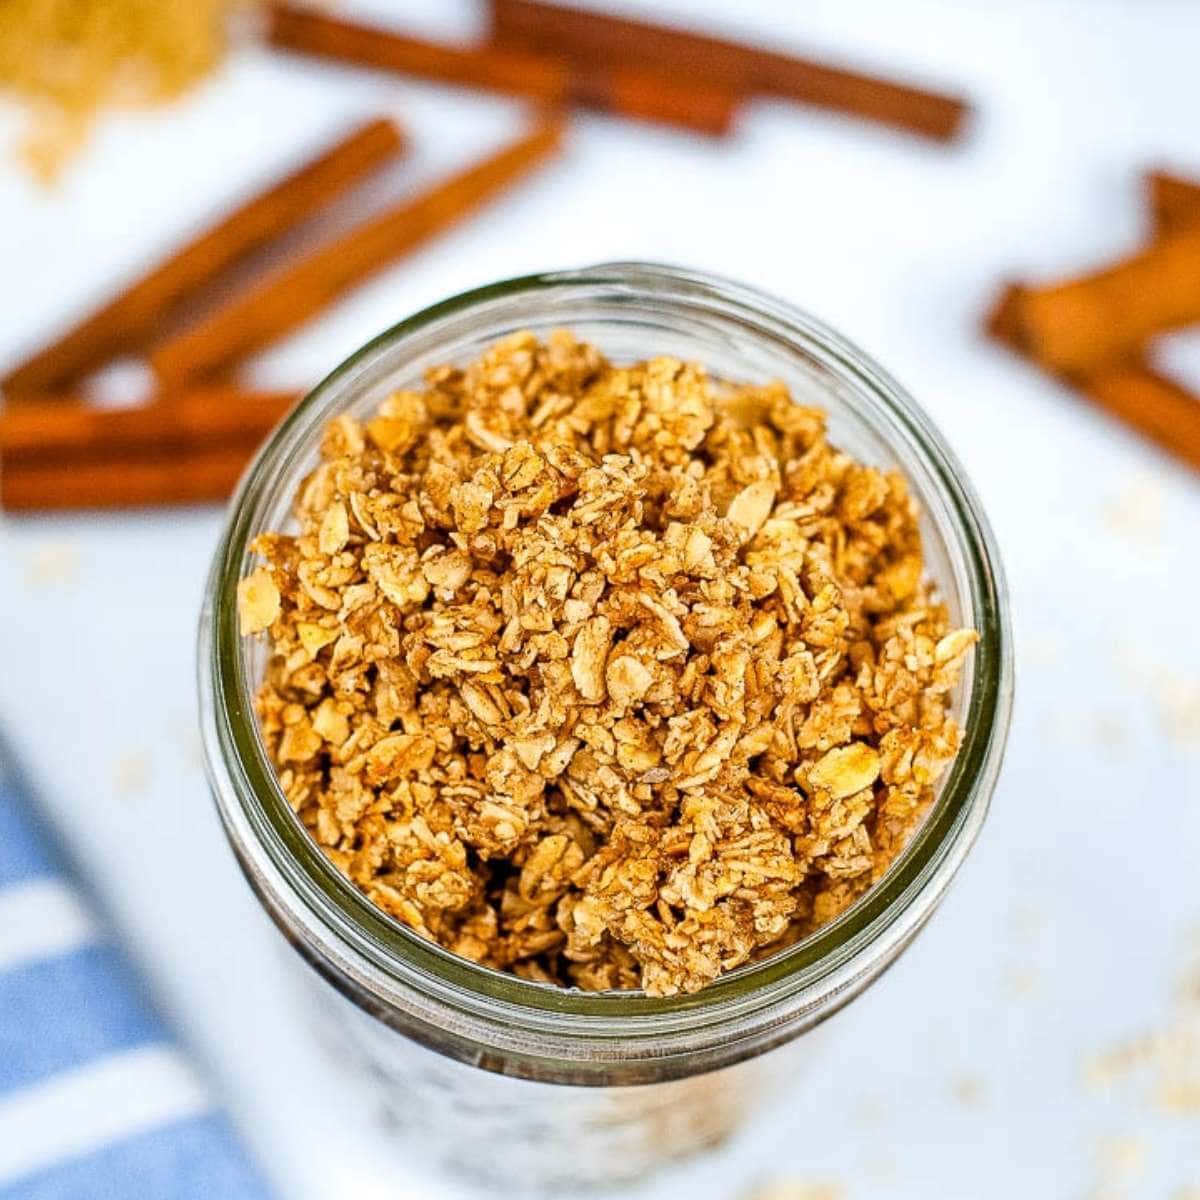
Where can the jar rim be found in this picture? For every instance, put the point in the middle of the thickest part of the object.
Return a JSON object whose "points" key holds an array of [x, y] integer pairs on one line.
{"points": [[261, 823]]}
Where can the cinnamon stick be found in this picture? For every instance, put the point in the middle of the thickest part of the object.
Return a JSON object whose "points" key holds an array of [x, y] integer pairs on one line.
{"points": [[1157, 407], [1001, 322], [53, 431], [598, 38], [129, 321], [694, 103], [1174, 202], [188, 476], [643, 96], [268, 310], [517, 73], [1078, 326]]}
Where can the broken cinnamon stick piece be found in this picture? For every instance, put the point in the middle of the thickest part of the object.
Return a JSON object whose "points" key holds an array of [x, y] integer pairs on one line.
{"points": [[134, 317], [693, 103], [51, 430], [1002, 321], [1153, 405], [1157, 407], [193, 475], [1078, 326], [265, 311], [1174, 202], [600, 39]]}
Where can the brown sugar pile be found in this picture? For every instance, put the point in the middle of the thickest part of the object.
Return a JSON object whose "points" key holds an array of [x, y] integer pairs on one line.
{"points": [[70, 58], [606, 676]]}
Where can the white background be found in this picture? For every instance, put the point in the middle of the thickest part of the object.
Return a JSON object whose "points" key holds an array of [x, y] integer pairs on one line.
{"points": [[962, 1073]]}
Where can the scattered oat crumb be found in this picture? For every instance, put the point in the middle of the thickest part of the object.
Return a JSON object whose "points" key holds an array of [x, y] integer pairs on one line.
{"points": [[1137, 512], [1162, 1064], [1174, 692], [1179, 701], [1187, 989], [53, 563], [131, 774], [1021, 980], [606, 676], [1118, 1061], [970, 1091], [1120, 1161], [795, 1190], [1122, 1158], [1180, 1095]]}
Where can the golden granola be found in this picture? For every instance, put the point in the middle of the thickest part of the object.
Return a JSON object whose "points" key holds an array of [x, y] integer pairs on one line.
{"points": [[606, 676]]}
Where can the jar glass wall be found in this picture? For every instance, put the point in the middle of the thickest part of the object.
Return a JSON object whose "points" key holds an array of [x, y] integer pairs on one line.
{"points": [[425, 1024]]}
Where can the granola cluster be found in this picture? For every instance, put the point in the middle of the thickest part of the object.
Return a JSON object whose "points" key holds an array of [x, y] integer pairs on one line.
{"points": [[606, 676]]}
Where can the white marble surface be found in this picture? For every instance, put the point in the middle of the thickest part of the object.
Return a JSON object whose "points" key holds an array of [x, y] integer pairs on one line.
{"points": [[962, 1074]]}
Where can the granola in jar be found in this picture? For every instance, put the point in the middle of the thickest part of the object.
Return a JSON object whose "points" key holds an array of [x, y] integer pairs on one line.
{"points": [[609, 676]]}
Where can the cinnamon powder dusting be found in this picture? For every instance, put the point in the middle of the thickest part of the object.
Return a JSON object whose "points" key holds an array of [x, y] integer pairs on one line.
{"points": [[608, 676]]}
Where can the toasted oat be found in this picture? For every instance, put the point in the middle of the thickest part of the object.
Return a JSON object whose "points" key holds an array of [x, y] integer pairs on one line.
{"points": [[845, 770], [258, 601], [608, 676]]}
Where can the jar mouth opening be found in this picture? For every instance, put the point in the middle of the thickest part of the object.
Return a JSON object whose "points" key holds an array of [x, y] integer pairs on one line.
{"points": [[233, 744]]}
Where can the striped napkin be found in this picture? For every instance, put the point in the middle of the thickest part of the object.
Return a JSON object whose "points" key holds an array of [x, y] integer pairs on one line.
{"points": [[96, 1100]]}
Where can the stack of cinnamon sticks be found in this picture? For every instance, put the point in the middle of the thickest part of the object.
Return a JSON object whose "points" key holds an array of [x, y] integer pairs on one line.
{"points": [[567, 56], [1094, 332], [191, 441]]}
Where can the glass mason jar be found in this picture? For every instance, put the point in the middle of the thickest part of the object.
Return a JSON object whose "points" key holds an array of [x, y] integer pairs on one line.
{"points": [[526, 1083]]}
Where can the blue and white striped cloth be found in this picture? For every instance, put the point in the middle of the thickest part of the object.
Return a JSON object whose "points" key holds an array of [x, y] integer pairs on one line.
{"points": [[96, 1100]]}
